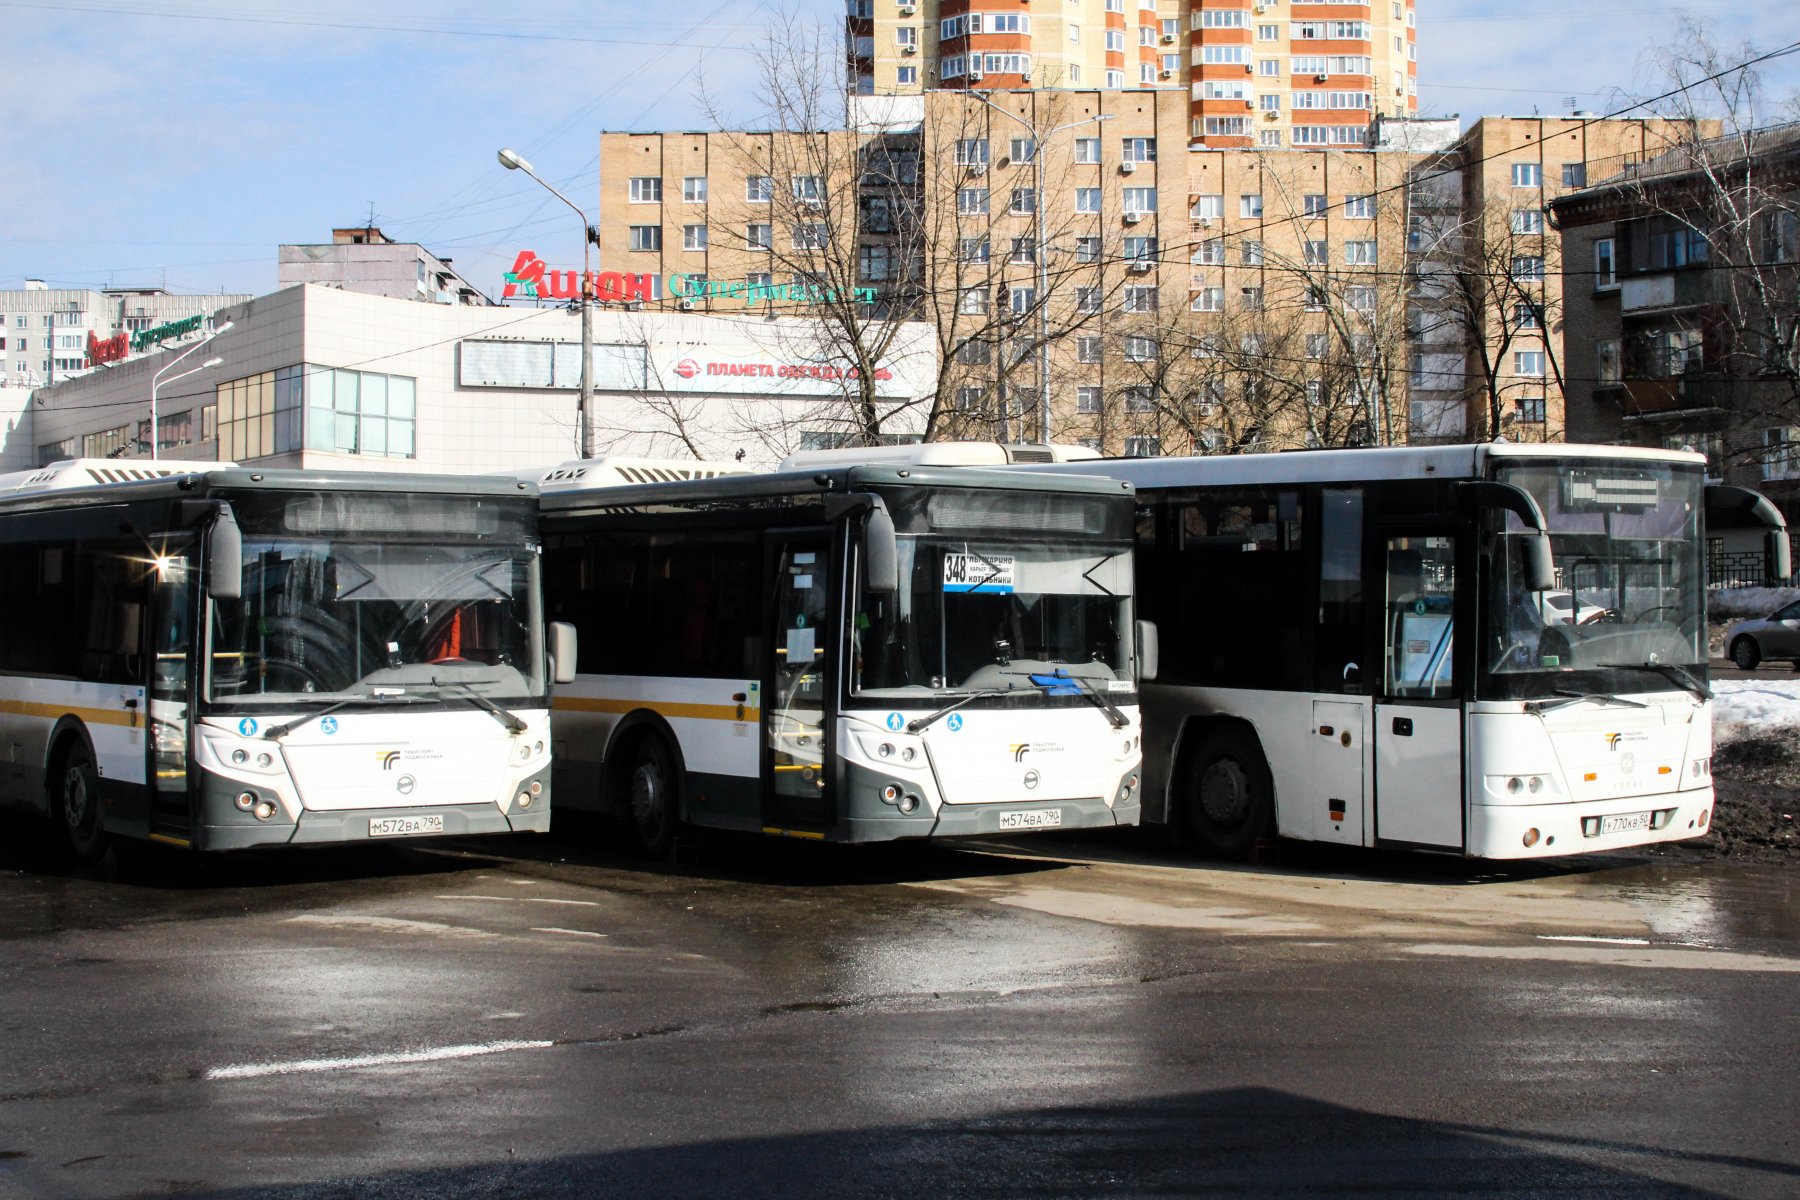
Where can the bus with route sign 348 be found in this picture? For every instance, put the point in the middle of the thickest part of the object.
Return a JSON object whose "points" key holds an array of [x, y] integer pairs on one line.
{"points": [[846, 653], [220, 658]]}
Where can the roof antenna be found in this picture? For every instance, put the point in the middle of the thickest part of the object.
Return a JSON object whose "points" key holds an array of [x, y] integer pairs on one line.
{"points": [[369, 226]]}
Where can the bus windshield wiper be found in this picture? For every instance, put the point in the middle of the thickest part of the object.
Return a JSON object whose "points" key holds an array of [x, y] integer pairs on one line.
{"points": [[919, 723], [513, 724], [1059, 680], [1566, 698], [378, 700], [1680, 676]]}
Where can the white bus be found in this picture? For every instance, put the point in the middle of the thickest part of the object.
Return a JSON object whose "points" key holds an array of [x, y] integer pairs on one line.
{"points": [[1498, 651], [848, 653], [219, 658]]}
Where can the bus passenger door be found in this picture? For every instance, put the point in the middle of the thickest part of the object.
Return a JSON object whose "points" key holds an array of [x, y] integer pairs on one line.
{"points": [[797, 686], [172, 651], [1418, 710]]}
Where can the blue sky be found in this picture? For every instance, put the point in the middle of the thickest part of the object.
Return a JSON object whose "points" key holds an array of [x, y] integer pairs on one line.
{"points": [[178, 142]]}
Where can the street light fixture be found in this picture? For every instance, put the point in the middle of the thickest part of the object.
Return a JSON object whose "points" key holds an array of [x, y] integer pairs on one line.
{"points": [[1042, 254], [157, 380], [584, 406]]}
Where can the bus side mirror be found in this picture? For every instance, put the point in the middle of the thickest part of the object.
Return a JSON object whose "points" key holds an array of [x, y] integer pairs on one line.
{"points": [[1149, 650], [881, 552], [224, 557], [1781, 556], [562, 652], [1540, 564]]}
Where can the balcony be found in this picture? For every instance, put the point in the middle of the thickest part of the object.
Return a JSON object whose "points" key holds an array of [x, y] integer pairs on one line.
{"points": [[1667, 399], [1665, 291]]}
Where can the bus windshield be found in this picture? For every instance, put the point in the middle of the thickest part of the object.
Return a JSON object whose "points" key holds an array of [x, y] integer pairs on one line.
{"points": [[986, 613], [406, 596], [1631, 587]]}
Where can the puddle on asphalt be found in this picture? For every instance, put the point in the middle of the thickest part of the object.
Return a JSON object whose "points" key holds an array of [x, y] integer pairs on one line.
{"points": [[1741, 906]]}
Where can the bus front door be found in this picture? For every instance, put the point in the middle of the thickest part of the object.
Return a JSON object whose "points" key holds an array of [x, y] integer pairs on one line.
{"points": [[1418, 712], [797, 687]]}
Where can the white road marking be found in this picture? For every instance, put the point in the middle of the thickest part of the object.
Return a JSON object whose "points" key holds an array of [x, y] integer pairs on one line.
{"points": [[1580, 937], [307, 1066], [1607, 956], [387, 925], [525, 900], [570, 932]]}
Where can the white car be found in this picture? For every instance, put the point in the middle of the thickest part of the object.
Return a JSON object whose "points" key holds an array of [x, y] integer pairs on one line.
{"points": [[1570, 608]]}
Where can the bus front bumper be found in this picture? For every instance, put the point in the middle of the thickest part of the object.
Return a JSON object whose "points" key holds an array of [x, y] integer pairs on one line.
{"points": [[991, 820], [1549, 830]]}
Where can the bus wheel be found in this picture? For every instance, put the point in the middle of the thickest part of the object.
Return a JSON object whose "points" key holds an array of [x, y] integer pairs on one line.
{"points": [[652, 793], [1228, 799], [75, 804]]}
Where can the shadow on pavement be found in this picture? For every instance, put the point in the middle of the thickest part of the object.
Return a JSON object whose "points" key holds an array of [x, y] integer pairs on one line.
{"points": [[1245, 1141]]}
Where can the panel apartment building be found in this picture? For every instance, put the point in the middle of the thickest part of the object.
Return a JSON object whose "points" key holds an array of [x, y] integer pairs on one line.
{"points": [[1150, 296], [1262, 73], [44, 331]]}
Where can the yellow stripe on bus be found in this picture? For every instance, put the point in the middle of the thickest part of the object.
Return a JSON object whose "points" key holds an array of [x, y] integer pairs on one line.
{"points": [[808, 834], [52, 712], [667, 708], [172, 841]]}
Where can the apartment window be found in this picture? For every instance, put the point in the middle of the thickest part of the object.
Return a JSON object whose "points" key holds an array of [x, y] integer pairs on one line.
{"points": [[1115, 40], [1268, 33], [1024, 251], [1528, 267], [1529, 363], [1020, 300], [1024, 202], [1088, 349], [1360, 298], [1268, 68], [1140, 348], [1315, 205], [1781, 236], [1215, 54], [1530, 409], [1527, 220], [1087, 400], [1114, 79], [1606, 362], [1252, 298], [1527, 315], [972, 152], [1251, 251], [1781, 453], [693, 237], [973, 300], [1210, 252], [873, 262], [1269, 138], [906, 35], [1075, 35], [1208, 299], [1314, 252], [1087, 249], [1606, 266], [1138, 149], [972, 249], [1360, 207], [811, 235], [1139, 199], [1527, 175], [974, 353], [1143, 446], [757, 235], [1087, 200], [906, 76], [971, 202], [1359, 253], [1171, 63], [1208, 208], [1250, 205], [1087, 150], [1140, 249], [1140, 299], [646, 237], [1219, 18], [1316, 345], [1315, 298], [808, 189], [1138, 399], [1574, 175], [646, 189], [759, 189], [968, 398], [693, 189]]}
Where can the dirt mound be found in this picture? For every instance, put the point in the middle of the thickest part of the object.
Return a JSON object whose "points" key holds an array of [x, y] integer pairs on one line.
{"points": [[1757, 817]]}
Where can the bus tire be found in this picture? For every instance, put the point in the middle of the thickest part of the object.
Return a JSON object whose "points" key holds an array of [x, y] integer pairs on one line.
{"points": [[652, 795], [1227, 796], [75, 803]]}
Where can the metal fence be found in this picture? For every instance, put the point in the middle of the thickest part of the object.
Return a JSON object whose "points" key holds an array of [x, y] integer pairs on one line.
{"points": [[1738, 568]]}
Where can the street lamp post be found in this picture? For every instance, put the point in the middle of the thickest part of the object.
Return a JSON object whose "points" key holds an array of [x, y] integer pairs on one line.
{"points": [[157, 380], [584, 406], [1040, 252]]}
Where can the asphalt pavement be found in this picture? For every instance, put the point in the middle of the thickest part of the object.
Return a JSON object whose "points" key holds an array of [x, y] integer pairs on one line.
{"points": [[1055, 1017]]}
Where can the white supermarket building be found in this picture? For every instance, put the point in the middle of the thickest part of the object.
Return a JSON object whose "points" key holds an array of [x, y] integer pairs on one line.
{"points": [[320, 377]]}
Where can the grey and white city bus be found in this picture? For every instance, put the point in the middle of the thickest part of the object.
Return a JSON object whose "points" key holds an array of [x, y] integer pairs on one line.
{"points": [[844, 653], [220, 658], [1497, 650]]}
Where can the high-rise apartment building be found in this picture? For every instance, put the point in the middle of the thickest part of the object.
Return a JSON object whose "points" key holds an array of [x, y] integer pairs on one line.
{"points": [[1269, 74]]}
